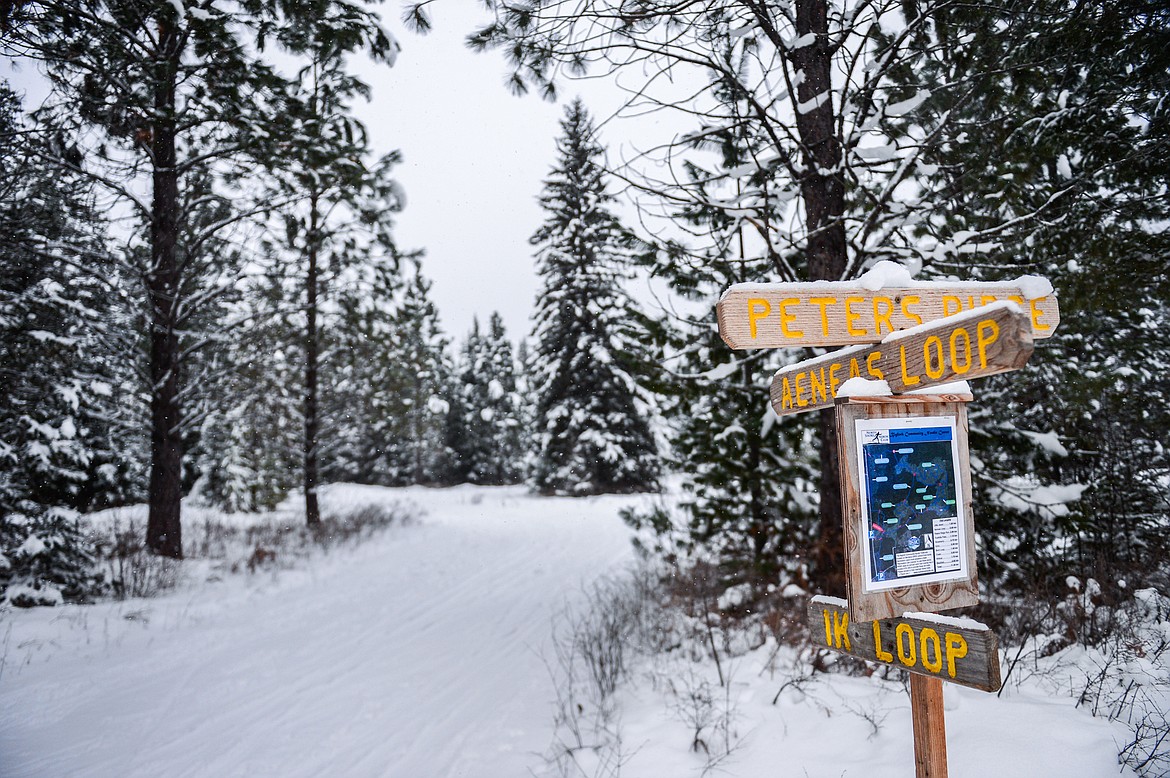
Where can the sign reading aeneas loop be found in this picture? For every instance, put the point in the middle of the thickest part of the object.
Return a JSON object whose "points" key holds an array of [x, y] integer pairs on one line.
{"points": [[988, 340], [836, 314]]}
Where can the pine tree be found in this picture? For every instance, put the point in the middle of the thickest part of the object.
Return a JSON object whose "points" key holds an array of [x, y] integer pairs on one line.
{"points": [[339, 208], [367, 393], [483, 425], [1056, 164], [503, 407], [469, 427], [419, 452], [167, 97], [592, 433], [247, 452], [61, 423]]}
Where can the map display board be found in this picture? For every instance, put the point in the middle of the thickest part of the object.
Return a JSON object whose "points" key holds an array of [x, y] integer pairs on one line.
{"points": [[912, 502]]}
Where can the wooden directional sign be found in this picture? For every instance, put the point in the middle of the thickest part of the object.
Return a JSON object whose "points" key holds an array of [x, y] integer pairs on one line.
{"points": [[842, 313], [954, 650], [988, 340]]}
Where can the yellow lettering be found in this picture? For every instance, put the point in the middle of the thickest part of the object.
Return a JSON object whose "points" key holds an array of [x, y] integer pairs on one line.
{"points": [[758, 308], [883, 656], [987, 298], [907, 301], [940, 367], [851, 317], [1036, 314], [787, 318], [854, 369], [841, 629], [956, 649], [828, 629], [872, 368], [983, 340], [1015, 298], [834, 382], [906, 648], [882, 317], [955, 352], [824, 302], [927, 637], [950, 301], [907, 379], [800, 391], [816, 386], [786, 396]]}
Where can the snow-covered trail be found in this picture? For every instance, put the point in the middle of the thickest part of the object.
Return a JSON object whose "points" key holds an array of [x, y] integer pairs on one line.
{"points": [[418, 654]]}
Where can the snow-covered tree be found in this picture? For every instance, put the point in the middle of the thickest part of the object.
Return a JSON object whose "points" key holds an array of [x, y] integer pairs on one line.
{"points": [[1056, 163], [424, 356], [339, 204], [504, 406], [66, 444], [483, 425], [167, 97], [592, 433]]}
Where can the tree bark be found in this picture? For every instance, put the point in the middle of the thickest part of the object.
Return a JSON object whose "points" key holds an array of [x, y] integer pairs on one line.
{"points": [[823, 195], [312, 348], [163, 527]]}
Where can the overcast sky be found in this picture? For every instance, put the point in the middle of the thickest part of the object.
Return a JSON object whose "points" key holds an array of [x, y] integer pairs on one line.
{"points": [[474, 158]]}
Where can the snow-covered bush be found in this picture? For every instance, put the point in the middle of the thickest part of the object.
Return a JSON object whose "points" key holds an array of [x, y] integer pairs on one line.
{"points": [[45, 560]]}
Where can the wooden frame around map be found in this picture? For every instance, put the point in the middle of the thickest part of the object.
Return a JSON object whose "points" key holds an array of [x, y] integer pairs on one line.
{"points": [[923, 598]]}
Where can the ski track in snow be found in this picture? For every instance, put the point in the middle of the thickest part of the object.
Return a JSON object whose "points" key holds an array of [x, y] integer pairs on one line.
{"points": [[418, 653]]}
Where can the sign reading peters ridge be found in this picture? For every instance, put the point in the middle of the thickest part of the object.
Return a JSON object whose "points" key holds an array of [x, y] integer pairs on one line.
{"points": [[840, 313]]}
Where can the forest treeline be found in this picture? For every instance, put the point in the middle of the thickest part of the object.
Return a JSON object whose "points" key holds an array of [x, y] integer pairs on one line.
{"points": [[200, 292]]}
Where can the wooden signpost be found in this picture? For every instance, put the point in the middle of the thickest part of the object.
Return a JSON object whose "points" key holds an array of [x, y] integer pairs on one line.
{"points": [[908, 529]]}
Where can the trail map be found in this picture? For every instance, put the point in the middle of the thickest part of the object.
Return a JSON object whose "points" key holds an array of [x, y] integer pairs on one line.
{"points": [[912, 503]]}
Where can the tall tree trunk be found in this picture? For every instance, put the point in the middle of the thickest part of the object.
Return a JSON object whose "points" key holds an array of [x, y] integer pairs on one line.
{"points": [[163, 527], [823, 194], [312, 508]]}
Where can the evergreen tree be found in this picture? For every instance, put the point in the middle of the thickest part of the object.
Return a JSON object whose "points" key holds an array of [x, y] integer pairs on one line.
{"points": [[340, 209], [503, 406], [592, 434], [423, 358], [1060, 169], [468, 428], [483, 426], [367, 393], [169, 94], [749, 482], [248, 449], [64, 442]]}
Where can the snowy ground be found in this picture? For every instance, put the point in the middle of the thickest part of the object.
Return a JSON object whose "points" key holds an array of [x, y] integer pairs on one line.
{"points": [[422, 653]]}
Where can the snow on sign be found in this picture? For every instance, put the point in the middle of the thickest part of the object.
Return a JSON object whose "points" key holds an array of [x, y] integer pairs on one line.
{"points": [[840, 313], [990, 339], [955, 650]]}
